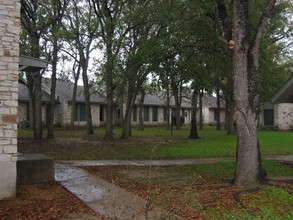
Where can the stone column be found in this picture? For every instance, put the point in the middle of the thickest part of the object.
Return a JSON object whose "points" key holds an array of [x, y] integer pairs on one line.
{"points": [[9, 64]]}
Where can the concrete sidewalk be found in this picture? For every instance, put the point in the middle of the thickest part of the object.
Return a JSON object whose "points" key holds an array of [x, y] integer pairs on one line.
{"points": [[105, 198], [116, 203], [288, 159]]}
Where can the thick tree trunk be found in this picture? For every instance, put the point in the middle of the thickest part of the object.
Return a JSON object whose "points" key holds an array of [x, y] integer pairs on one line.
{"points": [[38, 128], [230, 107], [193, 130], [248, 159]]}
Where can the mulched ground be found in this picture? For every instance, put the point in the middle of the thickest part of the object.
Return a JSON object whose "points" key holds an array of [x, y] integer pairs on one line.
{"points": [[192, 197], [44, 201]]}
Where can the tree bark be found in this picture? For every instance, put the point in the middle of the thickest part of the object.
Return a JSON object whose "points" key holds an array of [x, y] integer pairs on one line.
{"points": [[126, 125], [30, 88], [51, 113], [73, 107], [110, 96], [230, 107], [140, 111], [200, 109], [89, 123], [38, 128], [193, 130], [218, 112], [249, 169], [168, 108]]}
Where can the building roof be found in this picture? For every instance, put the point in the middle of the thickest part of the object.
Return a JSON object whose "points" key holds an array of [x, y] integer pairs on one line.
{"points": [[31, 64], [211, 101], [160, 99], [285, 93], [64, 92], [23, 94]]}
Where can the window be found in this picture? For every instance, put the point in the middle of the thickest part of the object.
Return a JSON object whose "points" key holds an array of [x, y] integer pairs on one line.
{"points": [[155, 113], [80, 112], [215, 114], [146, 113], [268, 117], [165, 114], [134, 113], [101, 113]]}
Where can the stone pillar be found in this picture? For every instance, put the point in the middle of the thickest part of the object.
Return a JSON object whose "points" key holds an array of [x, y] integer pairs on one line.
{"points": [[9, 64]]}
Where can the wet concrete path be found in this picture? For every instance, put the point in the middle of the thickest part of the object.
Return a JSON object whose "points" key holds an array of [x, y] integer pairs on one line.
{"points": [[114, 202], [287, 159], [105, 198]]}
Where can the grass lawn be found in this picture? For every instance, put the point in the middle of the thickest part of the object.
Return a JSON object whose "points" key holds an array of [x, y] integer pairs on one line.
{"points": [[192, 191], [155, 142]]}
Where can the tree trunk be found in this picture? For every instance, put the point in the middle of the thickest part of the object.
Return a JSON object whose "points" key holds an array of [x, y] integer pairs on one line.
{"points": [[177, 112], [140, 111], [218, 113], [30, 88], [126, 125], [73, 107], [38, 128], [168, 108], [89, 123], [248, 159], [51, 113], [193, 130], [230, 107], [200, 109], [109, 91]]}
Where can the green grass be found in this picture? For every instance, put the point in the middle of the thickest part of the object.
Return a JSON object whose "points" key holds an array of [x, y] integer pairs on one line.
{"points": [[156, 142], [270, 202], [226, 169]]}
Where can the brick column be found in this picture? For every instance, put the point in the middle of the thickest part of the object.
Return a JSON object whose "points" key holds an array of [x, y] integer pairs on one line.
{"points": [[9, 64]]}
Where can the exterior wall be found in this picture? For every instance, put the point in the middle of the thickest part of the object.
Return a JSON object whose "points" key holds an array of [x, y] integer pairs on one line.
{"points": [[95, 109], [22, 111], [66, 113], [160, 121], [9, 61], [205, 115], [283, 116], [212, 119]]}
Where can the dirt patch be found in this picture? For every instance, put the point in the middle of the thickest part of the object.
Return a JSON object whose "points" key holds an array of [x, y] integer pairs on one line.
{"points": [[45, 201]]}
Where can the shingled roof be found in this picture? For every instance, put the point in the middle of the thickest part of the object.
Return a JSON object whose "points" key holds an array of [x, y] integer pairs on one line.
{"points": [[285, 93], [64, 92]]}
